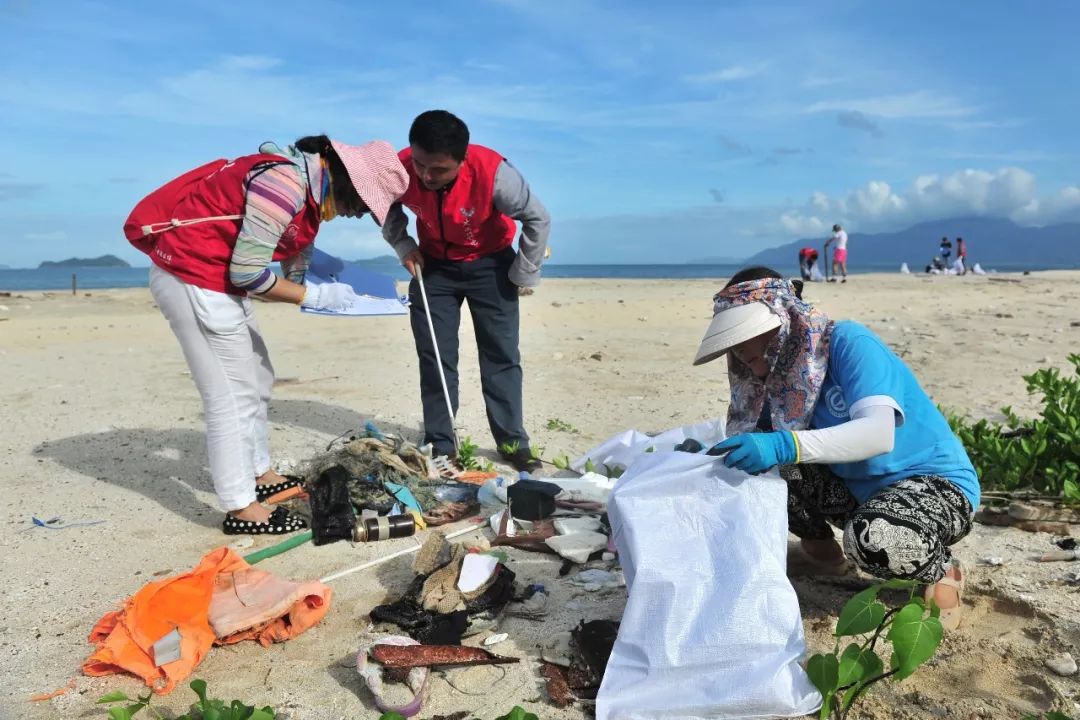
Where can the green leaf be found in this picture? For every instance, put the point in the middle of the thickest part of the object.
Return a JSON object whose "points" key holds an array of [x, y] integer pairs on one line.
{"points": [[857, 664], [267, 713], [873, 669], [915, 639], [199, 686], [518, 713], [824, 672], [116, 696], [391, 716], [589, 467], [119, 713], [861, 614], [899, 584], [1056, 716], [239, 711]]}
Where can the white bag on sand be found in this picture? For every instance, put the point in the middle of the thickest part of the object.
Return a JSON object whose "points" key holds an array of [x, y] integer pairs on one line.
{"points": [[712, 626], [624, 448]]}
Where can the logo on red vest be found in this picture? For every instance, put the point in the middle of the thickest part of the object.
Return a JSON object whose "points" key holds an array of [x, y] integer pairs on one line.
{"points": [[471, 238]]}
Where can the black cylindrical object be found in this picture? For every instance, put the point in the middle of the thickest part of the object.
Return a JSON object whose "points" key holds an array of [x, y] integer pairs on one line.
{"points": [[384, 527]]}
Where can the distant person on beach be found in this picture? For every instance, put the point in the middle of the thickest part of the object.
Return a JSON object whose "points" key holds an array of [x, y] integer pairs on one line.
{"points": [[212, 234], [961, 256], [851, 431], [839, 261], [945, 250], [466, 198], [808, 258]]}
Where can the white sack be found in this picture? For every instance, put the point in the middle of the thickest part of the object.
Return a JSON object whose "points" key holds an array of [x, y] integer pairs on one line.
{"points": [[623, 448], [712, 626]]}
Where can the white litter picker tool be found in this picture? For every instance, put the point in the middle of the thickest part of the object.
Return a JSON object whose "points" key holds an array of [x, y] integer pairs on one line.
{"points": [[442, 464]]}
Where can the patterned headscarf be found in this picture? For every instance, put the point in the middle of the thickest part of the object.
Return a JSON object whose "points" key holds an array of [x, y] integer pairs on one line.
{"points": [[798, 358]]}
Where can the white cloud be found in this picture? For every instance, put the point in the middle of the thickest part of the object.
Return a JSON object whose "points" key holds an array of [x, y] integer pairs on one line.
{"points": [[1007, 192], [802, 225], [1062, 206], [726, 75], [920, 104], [822, 81], [820, 201]]}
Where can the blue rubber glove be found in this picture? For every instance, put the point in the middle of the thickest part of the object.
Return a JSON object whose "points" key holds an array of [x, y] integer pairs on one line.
{"points": [[757, 452]]}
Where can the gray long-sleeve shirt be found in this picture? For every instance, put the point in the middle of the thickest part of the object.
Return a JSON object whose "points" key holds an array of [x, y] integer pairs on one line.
{"points": [[513, 198]]}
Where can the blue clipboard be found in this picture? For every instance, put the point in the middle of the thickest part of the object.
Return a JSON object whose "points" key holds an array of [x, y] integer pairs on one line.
{"points": [[377, 292]]}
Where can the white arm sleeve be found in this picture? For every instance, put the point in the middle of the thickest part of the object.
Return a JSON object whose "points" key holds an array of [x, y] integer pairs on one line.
{"points": [[870, 432]]}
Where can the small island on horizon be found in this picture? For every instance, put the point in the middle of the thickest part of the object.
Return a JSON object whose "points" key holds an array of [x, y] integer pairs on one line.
{"points": [[103, 261]]}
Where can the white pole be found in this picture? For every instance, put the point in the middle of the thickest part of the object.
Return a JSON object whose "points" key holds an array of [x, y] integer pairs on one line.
{"points": [[380, 561], [438, 356]]}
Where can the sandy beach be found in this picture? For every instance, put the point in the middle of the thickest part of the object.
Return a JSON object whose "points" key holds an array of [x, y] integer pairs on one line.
{"points": [[102, 422]]}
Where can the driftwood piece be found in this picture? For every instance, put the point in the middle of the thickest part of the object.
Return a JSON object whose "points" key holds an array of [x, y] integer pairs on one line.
{"points": [[410, 656], [1043, 511], [986, 517]]}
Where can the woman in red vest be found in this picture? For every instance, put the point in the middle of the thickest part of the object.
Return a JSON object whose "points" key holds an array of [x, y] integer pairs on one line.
{"points": [[212, 234]]}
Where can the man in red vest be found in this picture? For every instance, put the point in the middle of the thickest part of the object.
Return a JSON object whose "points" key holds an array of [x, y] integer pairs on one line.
{"points": [[466, 198]]}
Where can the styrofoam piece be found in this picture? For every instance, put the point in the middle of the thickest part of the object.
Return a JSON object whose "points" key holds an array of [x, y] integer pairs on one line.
{"points": [[579, 546], [476, 569], [570, 525]]}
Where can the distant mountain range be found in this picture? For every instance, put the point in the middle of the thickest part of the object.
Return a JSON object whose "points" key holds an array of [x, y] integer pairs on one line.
{"points": [[988, 240], [103, 261], [377, 260]]}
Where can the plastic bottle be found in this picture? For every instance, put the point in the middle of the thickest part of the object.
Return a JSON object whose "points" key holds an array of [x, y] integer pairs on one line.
{"points": [[384, 527]]}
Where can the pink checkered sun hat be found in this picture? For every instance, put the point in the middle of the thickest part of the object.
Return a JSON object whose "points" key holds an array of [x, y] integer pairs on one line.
{"points": [[375, 172]]}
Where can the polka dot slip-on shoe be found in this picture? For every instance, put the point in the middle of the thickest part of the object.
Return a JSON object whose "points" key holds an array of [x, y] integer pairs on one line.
{"points": [[262, 492], [281, 521]]}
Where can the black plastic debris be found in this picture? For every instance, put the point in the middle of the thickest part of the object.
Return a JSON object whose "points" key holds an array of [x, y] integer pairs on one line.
{"points": [[532, 499], [332, 516]]}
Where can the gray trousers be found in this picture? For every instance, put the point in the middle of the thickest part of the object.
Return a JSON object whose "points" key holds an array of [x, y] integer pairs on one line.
{"points": [[493, 304]]}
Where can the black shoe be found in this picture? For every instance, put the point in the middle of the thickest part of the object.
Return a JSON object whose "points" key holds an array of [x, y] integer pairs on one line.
{"points": [[262, 492], [522, 459], [281, 521]]}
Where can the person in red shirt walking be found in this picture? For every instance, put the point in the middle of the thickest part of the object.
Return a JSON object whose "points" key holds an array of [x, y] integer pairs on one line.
{"points": [[212, 234], [466, 199]]}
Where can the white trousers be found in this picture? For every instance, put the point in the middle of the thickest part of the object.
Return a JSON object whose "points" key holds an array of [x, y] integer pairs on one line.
{"points": [[231, 368]]}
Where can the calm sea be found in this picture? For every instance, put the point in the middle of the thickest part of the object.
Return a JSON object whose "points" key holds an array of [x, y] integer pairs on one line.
{"points": [[97, 278]]}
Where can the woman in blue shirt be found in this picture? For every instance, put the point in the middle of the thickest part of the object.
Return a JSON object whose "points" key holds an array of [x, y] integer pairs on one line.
{"points": [[858, 441]]}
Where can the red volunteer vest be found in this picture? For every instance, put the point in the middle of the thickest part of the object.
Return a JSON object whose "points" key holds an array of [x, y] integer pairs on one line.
{"points": [[460, 223], [185, 229]]}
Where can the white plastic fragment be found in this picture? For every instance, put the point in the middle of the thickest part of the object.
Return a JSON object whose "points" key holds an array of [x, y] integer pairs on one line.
{"points": [[579, 546]]}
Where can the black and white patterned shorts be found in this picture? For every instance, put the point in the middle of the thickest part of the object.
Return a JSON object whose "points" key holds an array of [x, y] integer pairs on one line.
{"points": [[902, 531]]}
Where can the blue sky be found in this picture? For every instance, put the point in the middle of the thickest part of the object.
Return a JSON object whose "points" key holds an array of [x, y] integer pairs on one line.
{"points": [[654, 132]]}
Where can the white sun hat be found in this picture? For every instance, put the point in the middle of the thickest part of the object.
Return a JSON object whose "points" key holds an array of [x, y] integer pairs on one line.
{"points": [[733, 326]]}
